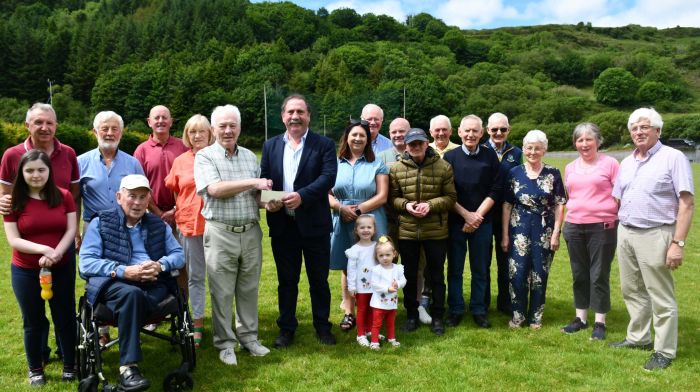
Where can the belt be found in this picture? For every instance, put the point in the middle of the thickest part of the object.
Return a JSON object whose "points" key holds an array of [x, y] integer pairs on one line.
{"points": [[234, 229]]}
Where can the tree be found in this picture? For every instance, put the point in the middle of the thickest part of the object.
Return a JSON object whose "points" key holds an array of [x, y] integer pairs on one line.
{"points": [[615, 86], [345, 17]]}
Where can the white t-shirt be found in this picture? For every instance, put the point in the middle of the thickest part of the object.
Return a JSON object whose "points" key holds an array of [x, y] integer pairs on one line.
{"points": [[360, 263]]}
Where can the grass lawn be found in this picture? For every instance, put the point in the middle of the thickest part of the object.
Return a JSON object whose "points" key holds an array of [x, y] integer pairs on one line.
{"points": [[465, 358]]}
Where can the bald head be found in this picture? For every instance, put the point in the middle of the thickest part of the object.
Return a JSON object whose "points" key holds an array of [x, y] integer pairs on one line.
{"points": [[160, 121], [397, 132]]}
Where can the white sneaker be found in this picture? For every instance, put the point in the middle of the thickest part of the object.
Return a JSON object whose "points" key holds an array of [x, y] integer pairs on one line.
{"points": [[362, 341], [394, 343], [423, 316], [256, 349], [228, 356], [374, 346], [150, 327]]}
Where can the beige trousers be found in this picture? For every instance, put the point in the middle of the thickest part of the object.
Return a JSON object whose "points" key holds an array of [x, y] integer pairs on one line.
{"points": [[647, 286], [234, 262]]}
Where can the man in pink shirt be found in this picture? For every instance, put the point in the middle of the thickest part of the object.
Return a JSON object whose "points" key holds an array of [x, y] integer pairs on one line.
{"points": [[156, 155]]}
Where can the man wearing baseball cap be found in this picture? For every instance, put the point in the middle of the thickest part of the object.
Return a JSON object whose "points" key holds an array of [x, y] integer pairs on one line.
{"points": [[124, 251], [422, 191]]}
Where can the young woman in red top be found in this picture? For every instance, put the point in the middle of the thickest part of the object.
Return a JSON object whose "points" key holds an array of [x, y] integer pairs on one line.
{"points": [[40, 229]]}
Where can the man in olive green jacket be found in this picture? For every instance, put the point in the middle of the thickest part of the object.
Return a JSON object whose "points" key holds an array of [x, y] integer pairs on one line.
{"points": [[422, 191]]}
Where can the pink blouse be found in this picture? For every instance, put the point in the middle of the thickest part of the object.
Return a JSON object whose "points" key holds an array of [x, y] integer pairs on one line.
{"points": [[590, 191]]}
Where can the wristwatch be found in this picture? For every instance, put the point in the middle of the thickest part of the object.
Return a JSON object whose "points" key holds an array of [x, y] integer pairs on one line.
{"points": [[162, 267], [680, 243], [358, 212]]}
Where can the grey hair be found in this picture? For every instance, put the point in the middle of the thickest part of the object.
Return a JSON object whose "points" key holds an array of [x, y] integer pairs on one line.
{"points": [[219, 110], [44, 107], [535, 136], [587, 127], [472, 117], [650, 114], [497, 116], [440, 117], [107, 115]]}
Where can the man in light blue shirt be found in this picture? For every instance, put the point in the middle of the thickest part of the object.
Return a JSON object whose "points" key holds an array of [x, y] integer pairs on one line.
{"points": [[374, 115], [102, 169], [126, 257]]}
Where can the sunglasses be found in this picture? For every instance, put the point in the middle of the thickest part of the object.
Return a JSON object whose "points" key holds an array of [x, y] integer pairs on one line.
{"points": [[355, 122], [503, 130]]}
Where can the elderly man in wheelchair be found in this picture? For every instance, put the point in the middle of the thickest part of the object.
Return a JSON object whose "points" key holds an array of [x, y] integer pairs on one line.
{"points": [[126, 257]]}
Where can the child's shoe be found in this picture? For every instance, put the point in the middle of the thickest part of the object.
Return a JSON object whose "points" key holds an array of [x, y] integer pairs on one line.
{"points": [[381, 337], [362, 341], [374, 346], [394, 343]]}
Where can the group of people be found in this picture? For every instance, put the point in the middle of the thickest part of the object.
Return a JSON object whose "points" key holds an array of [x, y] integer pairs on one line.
{"points": [[193, 205]]}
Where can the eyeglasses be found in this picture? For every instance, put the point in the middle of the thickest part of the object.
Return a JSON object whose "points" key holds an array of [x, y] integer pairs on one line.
{"points": [[643, 128], [356, 122], [503, 130]]}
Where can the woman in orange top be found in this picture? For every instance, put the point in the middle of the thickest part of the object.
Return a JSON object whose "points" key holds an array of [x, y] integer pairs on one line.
{"points": [[188, 216]]}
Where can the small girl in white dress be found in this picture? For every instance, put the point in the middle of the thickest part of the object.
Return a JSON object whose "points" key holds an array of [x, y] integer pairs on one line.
{"points": [[360, 263], [387, 278]]}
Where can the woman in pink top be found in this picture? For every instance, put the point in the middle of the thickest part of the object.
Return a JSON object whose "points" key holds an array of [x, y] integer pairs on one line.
{"points": [[188, 216], [590, 229]]}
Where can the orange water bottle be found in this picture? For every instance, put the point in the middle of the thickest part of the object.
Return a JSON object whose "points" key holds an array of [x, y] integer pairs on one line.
{"points": [[46, 282]]}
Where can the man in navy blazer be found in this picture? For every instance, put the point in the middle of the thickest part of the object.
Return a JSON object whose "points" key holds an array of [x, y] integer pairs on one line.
{"points": [[302, 164]]}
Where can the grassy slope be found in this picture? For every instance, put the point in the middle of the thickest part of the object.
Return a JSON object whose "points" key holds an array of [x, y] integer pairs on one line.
{"points": [[465, 358]]}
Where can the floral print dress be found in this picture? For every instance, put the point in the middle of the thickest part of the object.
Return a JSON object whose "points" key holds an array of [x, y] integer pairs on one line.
{"points": [[531, 225]]}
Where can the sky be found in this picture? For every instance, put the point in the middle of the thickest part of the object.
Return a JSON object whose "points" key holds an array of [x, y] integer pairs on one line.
{"points": [[487, 14]]}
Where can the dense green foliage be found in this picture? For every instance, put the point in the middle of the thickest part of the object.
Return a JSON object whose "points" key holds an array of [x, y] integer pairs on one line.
{"points": [[127, 56]]}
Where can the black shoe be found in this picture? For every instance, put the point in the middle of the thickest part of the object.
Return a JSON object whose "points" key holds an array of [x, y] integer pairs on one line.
{"points": [[326, 338], [132, 380], [410, 325], [627, 344], [37, 378], [657, 362], [482, 321], [453, 320], [284, 339], [598, 331], [437, 327], [574, 325]]}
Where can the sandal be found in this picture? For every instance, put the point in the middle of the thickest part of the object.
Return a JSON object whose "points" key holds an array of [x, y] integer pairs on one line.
{"points": [[198, 333], [348, 322]]}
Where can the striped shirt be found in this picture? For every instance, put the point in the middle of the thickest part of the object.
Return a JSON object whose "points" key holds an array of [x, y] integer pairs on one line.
{"points": [[649, 189], [213, 165]]}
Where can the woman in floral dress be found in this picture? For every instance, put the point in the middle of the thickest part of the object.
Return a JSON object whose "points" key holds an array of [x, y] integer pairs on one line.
{"points": [[533, 211]]}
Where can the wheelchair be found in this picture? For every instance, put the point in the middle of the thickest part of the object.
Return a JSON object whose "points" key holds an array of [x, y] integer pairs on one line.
{"points": [[173, 310]]}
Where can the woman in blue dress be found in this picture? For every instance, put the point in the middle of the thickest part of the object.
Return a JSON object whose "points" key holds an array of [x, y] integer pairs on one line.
{"points": [[361, 187], [533, 211]]}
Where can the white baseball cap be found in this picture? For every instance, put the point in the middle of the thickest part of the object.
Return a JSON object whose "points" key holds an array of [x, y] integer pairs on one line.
{"points": [[134, 181]]}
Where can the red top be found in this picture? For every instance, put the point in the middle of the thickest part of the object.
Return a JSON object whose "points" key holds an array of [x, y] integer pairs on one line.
{"points": [[188, 215], [157, 159], [43, 225], [64, 164]]}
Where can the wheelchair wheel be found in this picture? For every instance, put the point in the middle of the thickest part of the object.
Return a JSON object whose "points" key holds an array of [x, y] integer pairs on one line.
{"points": [[187, 342], [85, 341], [177, 381]]}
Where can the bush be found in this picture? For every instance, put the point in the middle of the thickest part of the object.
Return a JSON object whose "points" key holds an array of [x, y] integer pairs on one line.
{"points": [[685, 126], [615, 86], [613, 126]]}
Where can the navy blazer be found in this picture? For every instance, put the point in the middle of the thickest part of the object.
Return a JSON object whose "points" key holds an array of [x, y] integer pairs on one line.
{"points": [[315, 177]]}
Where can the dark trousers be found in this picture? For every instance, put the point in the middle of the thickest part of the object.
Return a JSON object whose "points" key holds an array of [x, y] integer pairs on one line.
{"points": [[25, 284], [288, 250], [591, 251], [46, 350], [503, 299], [131, 304], [435, 251], [479, 245]]}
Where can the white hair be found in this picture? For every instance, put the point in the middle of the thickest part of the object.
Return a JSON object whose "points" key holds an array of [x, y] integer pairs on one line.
{"points": [[535, 136], [372, 106], [440, 117], [107, 115], [219, 110], [497, 116], [650, 114], [44, 107]]}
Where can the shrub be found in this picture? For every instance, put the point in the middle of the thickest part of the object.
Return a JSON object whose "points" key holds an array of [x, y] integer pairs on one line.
{"points": [[615, 86]]}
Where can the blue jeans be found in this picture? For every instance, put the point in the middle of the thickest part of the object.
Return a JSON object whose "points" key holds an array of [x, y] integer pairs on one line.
{"points": [[479, 244], [25, 284]]}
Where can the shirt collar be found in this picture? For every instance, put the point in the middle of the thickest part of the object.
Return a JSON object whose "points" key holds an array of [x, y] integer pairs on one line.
{"points": [[224, 151], [469, 153], [653, 150], [303, 138], [154, 141], [28, 145]]}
